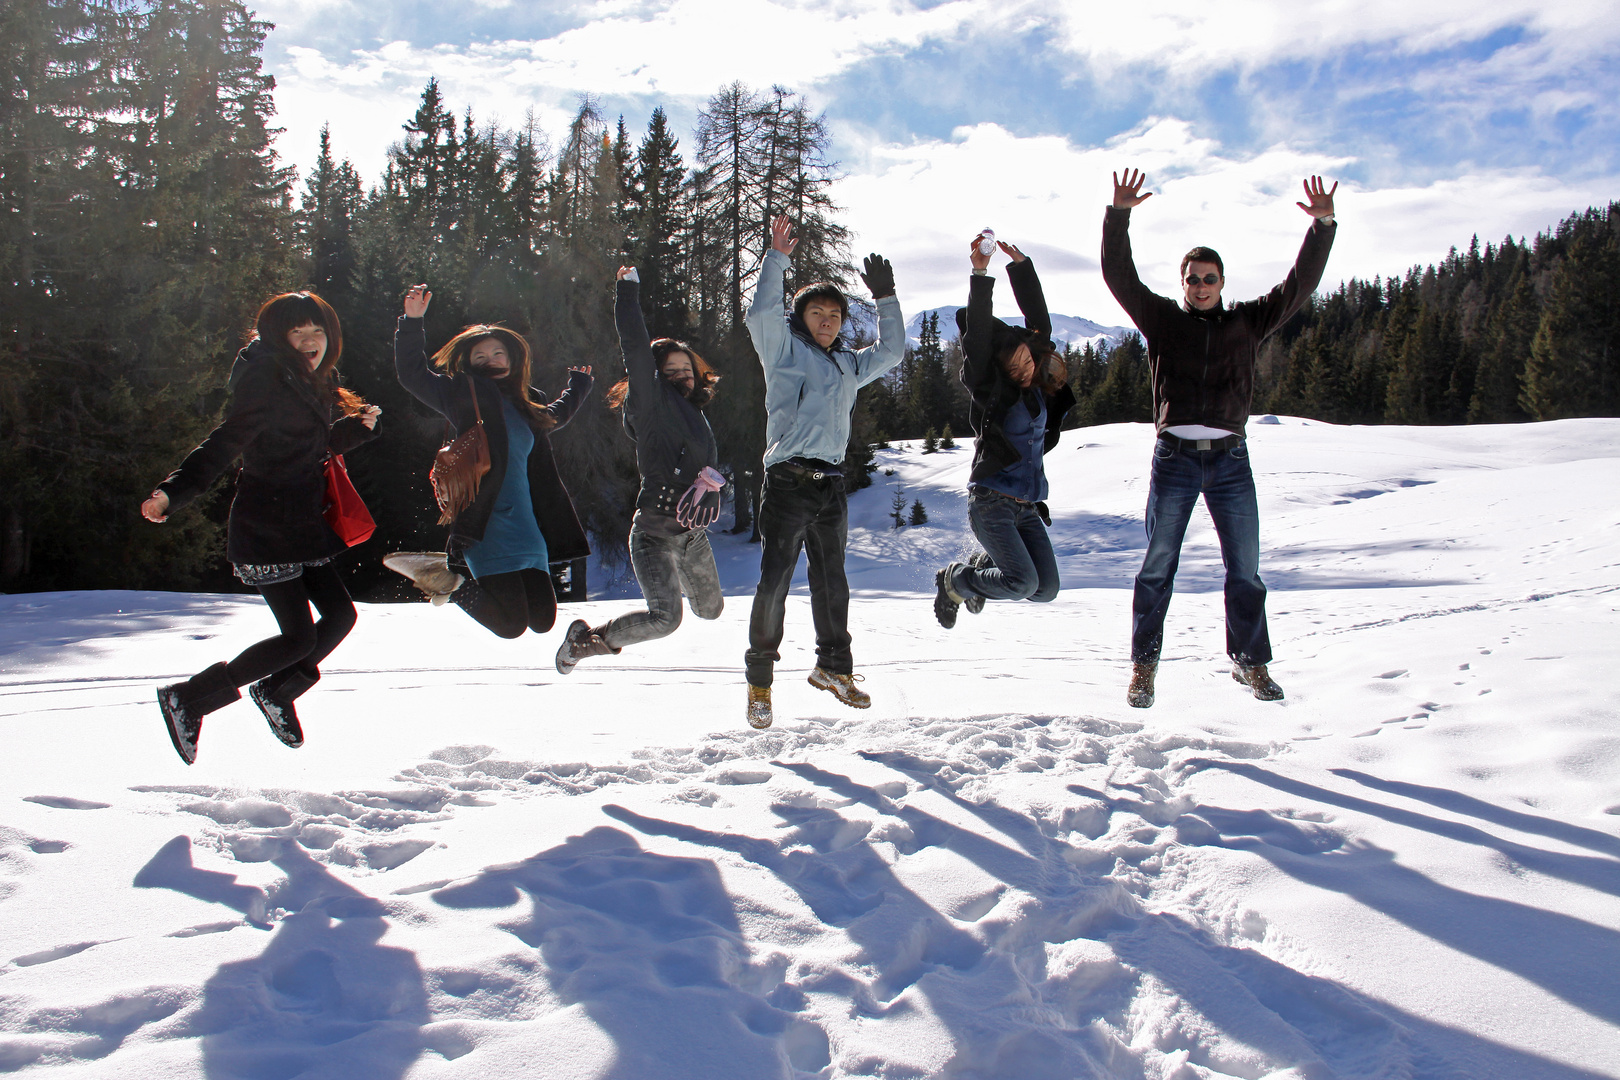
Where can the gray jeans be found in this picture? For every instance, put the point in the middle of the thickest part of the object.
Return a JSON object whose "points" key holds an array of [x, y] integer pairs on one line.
{"points": [[666, 567]]}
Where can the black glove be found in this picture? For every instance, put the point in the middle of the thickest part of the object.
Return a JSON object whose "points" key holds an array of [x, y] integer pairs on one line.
{"points": [[878, 276]]}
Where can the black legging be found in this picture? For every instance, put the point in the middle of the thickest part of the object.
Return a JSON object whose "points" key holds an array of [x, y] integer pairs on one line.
{"points": [[511, 603], [302, 643]]}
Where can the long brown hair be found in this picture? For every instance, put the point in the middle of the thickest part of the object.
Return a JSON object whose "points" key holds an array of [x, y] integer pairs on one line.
{"points": [[280, 315], [455, 357], [705, 376], [1050, 371]]}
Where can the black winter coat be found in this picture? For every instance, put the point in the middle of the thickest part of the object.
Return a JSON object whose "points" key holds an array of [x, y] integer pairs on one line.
{"points": [[449, 397], [673, 439], [278, 425], [991, 390], [1202, 362]]}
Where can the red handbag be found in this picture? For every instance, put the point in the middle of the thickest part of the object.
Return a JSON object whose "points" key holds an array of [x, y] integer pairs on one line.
{"points": [[345, 511]]}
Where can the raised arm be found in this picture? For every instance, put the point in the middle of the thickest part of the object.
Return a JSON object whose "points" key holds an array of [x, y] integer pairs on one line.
{"points": [[881, 357], [977, 324], [1279, 305], [1027, 291], [1118, 263], [766, 326], [411, 357], [568, 402], [635, 344]]}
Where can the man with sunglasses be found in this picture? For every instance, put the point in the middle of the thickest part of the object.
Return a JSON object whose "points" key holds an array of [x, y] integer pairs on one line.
{"points": [[1201, 359]]}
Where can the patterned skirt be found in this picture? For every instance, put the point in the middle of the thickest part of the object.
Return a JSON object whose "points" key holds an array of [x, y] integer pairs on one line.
{"points": [[256, 574]]}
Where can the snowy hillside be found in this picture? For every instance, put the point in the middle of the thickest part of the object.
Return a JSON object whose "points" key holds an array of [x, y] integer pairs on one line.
{"points": [[476, 868], [1066, 329]]}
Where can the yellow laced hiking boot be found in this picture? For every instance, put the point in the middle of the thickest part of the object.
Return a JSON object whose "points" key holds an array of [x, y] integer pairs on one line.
{"points": [[759, 707], [841, 687]]}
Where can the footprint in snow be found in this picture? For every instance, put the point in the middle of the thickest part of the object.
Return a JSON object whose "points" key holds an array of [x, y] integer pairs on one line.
{"points": [[61, 952], [65, 802]]}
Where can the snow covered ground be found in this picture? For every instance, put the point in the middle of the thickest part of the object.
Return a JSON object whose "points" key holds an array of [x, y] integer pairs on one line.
{"points": [[476, 868]]}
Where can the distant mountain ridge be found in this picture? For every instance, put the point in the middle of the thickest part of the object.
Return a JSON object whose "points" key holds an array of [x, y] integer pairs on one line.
{"points": [[1066, 329]]}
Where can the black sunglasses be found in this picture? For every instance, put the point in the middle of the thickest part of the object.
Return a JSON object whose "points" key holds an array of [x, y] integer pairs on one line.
{"points": [[1207, 279]]}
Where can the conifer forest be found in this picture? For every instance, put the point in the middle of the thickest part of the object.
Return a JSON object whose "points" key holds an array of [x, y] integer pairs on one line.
{"points": [[146, 216]]}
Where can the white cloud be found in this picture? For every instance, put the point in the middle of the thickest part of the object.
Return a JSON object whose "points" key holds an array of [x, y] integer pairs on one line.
{"points": [[1253, 33], [921, 203], [685, 49]]}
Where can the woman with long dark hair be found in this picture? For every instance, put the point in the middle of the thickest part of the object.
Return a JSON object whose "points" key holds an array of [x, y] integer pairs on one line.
{"points": [[521, 520], [661, 400], [1019, 394], [286, 416]]}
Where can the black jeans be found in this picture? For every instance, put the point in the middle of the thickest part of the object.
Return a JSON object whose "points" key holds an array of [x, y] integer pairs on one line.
{"points": [[303, 643], [508, 604], [800, 513]]}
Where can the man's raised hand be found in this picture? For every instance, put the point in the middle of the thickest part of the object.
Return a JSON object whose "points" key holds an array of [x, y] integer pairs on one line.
{"points": [[878, 276], [1321, 204], [782, 238], [1129, 193]]}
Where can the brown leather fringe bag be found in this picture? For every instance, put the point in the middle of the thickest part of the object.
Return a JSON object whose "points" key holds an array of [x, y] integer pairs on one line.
{"points": [[459, 466]]}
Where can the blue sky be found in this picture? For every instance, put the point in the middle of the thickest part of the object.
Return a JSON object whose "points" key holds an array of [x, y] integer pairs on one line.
{"points": [[1441, 119]]}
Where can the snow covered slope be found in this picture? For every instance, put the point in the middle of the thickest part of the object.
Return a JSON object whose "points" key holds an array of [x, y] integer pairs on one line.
{"points": [[476, 868], [1066, 329]]}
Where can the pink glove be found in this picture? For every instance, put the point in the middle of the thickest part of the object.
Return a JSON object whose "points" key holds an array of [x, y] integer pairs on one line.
{"points": [[700, 506]]}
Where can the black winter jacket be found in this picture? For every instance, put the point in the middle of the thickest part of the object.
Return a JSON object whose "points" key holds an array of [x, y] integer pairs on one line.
{"points": [[673, 439], [1202, 362], [450, 398], [991, 390], [278, 425]]}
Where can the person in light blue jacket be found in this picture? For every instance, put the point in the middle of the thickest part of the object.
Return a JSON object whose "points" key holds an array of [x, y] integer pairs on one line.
{"points": [[811, 379]]}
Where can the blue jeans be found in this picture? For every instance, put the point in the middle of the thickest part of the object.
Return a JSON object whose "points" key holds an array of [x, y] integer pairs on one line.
{"points": [[1226, 482], [1023, 565]]}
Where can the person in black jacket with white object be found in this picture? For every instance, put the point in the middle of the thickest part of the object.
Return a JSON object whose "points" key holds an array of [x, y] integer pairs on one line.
{"points": [[285, 417], [1019, 394], [661, 398], [1201, 360], [521, 519]]}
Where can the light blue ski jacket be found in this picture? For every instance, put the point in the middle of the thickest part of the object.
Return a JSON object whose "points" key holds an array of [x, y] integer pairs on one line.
{"points": [[809, 393]]}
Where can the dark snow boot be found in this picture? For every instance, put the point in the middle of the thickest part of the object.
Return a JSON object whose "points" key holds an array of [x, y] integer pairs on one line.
{"points": [[980, 561], [946, 598], [1140, 694], [1255, 677], [274, 695], [185, 704], [580, 641]]}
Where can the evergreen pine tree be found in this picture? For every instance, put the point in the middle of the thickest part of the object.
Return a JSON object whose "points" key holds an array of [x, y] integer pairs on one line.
{"points": [[919, 516], [658, 229]]}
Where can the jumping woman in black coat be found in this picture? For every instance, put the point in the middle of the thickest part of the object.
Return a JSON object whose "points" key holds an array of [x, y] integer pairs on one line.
{"points": [[286, 416], [661, 398], [1019, 394], [521, 520]]}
